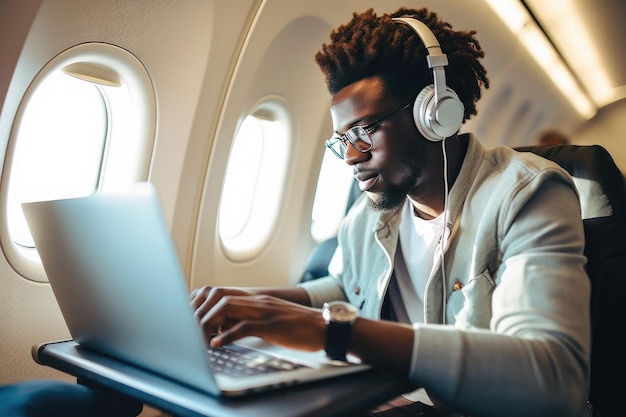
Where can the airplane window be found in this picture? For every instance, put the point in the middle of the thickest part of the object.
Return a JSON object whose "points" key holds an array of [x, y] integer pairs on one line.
{"points": [[237, 198], [331, 197], [256, 172], [85, 124], [60, 148]]}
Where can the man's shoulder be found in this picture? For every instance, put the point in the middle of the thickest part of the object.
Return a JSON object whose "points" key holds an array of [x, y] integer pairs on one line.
{"points": [[503, 173]]}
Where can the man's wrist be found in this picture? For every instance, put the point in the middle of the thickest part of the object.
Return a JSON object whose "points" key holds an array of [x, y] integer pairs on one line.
{"points": [[339, 317]]}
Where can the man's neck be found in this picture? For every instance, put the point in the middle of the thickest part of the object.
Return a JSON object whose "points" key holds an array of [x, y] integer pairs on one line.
{"points": [[455, 154]]}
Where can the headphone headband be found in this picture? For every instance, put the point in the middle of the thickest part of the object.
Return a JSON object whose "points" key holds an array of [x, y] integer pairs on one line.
{"points": [[438, 112]]}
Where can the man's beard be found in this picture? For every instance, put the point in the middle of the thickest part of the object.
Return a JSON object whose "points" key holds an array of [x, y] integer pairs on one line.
{"points": [[390, 200], [395, 195]]}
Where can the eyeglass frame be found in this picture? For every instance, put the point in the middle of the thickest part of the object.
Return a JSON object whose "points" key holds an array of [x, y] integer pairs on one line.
{"points": [[354, 131]]}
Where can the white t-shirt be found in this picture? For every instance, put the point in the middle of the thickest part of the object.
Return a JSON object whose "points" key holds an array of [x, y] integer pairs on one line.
{"points": [[413, 263]]}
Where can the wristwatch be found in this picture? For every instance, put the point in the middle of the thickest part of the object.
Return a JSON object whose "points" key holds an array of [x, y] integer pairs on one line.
{"points": [[339, 317]]}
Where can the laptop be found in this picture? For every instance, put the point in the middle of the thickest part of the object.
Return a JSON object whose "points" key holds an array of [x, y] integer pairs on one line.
{"points": [[116, 276]]}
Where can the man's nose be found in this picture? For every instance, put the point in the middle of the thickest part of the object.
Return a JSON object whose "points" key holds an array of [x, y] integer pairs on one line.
{"points": [[353, 156]]}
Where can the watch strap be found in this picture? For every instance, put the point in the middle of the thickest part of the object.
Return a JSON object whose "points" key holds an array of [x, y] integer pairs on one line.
{"points": [[337, 340]]}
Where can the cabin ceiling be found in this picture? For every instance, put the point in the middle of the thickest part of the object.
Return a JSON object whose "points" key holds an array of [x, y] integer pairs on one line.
{"points": [[601, 72]]}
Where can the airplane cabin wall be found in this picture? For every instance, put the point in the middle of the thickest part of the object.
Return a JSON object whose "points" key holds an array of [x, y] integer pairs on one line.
{"points": [[606, 128]]}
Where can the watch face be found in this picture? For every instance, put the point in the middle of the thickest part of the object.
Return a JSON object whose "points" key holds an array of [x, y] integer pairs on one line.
{"points": [[340, 312]]}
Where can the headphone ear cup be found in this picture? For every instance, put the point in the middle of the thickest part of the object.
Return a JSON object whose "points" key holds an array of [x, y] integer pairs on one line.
{"points": [[437, 120], [419, 112]]}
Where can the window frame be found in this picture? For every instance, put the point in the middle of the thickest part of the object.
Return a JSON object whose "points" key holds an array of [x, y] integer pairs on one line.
{"points": [[124, 163]]}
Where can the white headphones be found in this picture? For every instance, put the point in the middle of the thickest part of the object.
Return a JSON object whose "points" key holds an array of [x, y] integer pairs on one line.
{"points": [[437, 111]]}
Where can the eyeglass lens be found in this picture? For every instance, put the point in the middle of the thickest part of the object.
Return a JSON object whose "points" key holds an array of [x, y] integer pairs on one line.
{"points": [[357, 136]]}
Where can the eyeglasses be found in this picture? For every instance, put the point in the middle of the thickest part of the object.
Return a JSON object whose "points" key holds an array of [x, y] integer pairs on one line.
{"points": [[358, 136]]}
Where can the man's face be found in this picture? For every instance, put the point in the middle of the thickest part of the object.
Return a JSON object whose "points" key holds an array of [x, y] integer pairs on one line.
{"points": [[400, 161]]}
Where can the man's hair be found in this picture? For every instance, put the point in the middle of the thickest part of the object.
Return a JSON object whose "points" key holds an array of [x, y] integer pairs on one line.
{"points": [[371, 45]]}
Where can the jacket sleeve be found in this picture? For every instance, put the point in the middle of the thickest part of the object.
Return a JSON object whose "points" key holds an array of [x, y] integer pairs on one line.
{"points": [[323, 289]]}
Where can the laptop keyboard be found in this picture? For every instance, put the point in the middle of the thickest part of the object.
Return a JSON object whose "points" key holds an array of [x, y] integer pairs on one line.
{"points": [[234, 360]]}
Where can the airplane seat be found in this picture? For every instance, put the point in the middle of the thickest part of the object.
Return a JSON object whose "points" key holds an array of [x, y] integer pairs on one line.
{"points": [[316, 265], [602, 192]]}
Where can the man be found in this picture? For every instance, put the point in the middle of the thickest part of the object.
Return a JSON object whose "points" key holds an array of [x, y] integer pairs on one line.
{"points": [[465, 264]]}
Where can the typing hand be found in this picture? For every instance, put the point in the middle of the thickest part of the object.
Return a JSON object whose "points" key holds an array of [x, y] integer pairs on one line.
{"points": [[203, 299], [235, 314]]}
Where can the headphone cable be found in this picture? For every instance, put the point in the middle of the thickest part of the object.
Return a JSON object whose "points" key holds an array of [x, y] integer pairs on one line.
{"points": [[443, 239]]}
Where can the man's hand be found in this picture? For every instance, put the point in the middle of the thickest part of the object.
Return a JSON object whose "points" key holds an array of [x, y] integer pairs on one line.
{"points": [[233, 313], [203, 299], [283, 317]]}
